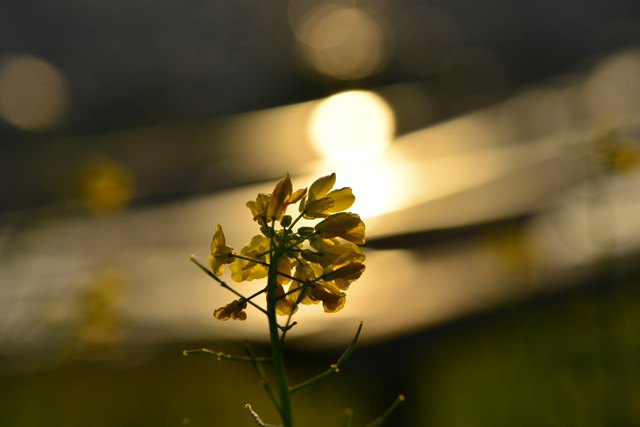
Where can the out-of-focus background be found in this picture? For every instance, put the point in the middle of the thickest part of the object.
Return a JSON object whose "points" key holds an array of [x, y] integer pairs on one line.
{"points": [[493, 147]]}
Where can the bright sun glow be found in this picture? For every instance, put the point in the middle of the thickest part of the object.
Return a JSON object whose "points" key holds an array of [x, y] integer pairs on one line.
{"points": [[351, 127]]}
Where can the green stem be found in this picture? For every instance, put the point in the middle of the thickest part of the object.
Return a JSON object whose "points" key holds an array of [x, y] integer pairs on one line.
{"points": [[276, 346], [295, 222], [348, 414], [262, 375], [289, 325], [378, 421]]}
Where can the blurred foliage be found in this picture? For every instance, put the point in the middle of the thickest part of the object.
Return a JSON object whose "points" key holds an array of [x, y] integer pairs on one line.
{"points": [[571, 362], [163, 390]]}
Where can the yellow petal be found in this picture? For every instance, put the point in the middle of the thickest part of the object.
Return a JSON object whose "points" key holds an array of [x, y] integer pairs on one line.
{"points": [[337, 225], [342, 199], [344, 276], [216, 266], [284, 306], [317, 208], [218, 238], [321, 187], [332, 299], [284, 267], [297, 195], [233, 310], [356, 235], [279, 198]]}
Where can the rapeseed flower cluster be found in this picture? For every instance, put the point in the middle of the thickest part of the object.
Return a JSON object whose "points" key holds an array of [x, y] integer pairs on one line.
{"points": [[312, 264]]}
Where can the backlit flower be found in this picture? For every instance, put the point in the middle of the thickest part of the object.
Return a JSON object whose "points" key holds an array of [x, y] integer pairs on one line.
{"points": [[344, 274], [332, 299], [282, 197], [221, 254], [285, 306], [259, 208], [246, 270], [345, 225], [321, 202], [234, 310], [329, 253]]}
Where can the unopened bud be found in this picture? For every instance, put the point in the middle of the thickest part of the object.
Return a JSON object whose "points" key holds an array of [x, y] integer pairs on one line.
{"points": [[286, 221]]}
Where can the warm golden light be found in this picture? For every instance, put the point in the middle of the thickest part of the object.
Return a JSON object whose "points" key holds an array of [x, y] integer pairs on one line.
{"points": [[351, 127], [382, 185], [34, 94]]}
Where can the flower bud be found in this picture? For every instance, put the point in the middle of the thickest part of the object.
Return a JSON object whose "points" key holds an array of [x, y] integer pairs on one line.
{"points": [[286, 221]]}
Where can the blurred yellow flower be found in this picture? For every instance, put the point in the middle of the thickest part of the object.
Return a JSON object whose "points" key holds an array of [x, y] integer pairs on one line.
{"points": [[611, 150], [234, 310], [221, 254], [105, 187], [625, 158]]}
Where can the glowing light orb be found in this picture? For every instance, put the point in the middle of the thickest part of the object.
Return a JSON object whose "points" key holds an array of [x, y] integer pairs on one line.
{"points": [[34, 94], [351, 127]]}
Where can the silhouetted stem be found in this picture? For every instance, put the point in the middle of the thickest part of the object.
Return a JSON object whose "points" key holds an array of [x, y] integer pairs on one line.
{"points": [[333, 368], [220, 355], [378, 421], [262, 375]]}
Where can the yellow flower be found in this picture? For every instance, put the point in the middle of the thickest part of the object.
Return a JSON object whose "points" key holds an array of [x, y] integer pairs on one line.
{"points": [[221, 254], [233, 310], [330, 251], [285, 306], [282, 197], [245, 270], [259, 207], [345, 225], [316, 290], [284, 268], [320, 202], [344, 275], [616, 153], [332, 299]]}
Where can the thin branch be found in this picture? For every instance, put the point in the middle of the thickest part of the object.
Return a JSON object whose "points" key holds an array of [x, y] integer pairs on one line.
{"points": [[246, 258], [290, 325], [257, 419], [333, 368], [224, 285], [378, 421], [348, 414], [220, 355], [262, 375]]}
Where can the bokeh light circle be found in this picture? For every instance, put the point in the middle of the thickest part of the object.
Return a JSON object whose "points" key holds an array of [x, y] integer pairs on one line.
{"points": [[34, 94], [342, 42]]}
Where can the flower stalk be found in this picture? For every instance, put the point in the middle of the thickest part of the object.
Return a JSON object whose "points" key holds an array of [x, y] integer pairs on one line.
{"points": [[315, 264]]}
